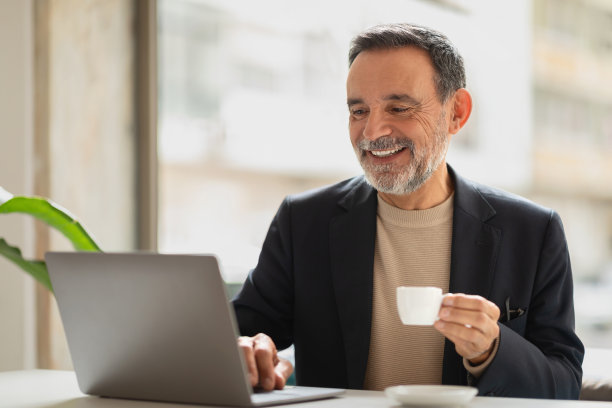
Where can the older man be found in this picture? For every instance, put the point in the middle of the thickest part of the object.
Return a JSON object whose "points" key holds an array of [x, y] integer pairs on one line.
{"points": [[331, 261]]}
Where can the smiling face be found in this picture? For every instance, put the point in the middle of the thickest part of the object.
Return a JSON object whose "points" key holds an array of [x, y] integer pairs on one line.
{"points": [[398, 126]]}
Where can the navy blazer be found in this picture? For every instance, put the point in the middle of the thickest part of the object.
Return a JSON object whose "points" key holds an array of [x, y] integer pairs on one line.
{"points": [[312, 287]]}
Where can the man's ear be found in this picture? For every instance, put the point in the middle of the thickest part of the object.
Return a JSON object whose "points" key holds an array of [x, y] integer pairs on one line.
{"points": [[461, 109]]}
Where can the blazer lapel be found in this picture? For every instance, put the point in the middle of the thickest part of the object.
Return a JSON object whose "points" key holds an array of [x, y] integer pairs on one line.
{"points": [[475, 245], [352, 239]]}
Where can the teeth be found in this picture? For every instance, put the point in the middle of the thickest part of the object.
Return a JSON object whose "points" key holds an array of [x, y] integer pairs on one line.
{"points": [[385, 153]]}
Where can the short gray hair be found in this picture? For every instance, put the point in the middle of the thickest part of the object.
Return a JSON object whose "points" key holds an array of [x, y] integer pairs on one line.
{"points": [[446, 60]]}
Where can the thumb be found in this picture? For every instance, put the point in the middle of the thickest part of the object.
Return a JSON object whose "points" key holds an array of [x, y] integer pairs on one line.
{"points": [[282, 371]]}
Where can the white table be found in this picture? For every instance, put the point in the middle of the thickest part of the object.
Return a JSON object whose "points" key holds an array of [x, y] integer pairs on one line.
{"points": [[58, 389]]}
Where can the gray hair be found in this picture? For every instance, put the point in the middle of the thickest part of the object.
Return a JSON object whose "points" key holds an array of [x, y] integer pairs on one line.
{"points": [[447, 63]]}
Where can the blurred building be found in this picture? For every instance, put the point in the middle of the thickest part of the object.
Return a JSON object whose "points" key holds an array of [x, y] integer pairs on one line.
{"points": [[572, 144]]}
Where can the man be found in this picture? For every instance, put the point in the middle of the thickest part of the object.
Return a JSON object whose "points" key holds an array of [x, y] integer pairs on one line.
{"points": [[331, 261]]}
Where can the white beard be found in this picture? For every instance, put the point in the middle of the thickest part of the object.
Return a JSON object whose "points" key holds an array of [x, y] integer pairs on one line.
{"points": [[387, 179]]}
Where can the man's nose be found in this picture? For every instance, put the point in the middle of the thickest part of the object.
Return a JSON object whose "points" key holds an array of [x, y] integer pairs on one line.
{"points": [[376, 126]]}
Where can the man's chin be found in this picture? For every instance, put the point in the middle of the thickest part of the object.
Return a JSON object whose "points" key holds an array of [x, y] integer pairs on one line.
{"points": [[385, 184], [394, 184]]}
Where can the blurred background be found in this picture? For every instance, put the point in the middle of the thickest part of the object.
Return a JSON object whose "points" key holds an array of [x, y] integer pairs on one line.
{"points": [[180, 125]]}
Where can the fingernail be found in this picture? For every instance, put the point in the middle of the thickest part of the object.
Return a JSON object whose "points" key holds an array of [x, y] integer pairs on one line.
{"points": [[268, 383]]}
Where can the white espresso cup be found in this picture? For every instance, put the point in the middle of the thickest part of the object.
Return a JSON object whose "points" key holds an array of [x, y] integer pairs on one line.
{"points": [[419, 305]]}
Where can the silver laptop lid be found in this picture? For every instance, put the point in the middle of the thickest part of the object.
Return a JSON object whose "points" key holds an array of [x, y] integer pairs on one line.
{"points": [[138, 326]]}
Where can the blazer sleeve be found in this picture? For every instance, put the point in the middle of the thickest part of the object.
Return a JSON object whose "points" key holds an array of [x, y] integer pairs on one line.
{"points": [[265, 302], [546, 361]]}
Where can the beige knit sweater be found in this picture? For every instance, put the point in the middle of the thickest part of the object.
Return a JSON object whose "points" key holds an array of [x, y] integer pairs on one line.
{"points": [[413, 248]]}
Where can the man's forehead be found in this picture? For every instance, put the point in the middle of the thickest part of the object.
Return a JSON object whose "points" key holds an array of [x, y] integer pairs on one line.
{"points": [[390, 73]]}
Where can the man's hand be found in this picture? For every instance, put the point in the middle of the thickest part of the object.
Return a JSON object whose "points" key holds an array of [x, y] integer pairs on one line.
{"points": [[266, 369], [471, 323]]}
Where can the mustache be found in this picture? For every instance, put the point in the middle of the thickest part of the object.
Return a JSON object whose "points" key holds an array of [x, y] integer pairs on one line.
{"points": [[387, 143]]}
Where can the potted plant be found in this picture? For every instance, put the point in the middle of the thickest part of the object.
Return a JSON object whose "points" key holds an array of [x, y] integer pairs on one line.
{"points": [[53, 215]]}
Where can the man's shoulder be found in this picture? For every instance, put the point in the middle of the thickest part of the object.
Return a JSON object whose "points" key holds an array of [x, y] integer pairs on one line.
{"points": [[508, 204], [355, 188], [506, 198]]}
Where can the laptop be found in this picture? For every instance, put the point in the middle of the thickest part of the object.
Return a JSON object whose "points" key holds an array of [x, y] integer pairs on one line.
{"points": [[156, 327]]}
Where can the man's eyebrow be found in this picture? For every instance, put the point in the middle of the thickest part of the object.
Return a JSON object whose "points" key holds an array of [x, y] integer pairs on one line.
{"points": [[392, 97], [353, 101], [401, 98]]}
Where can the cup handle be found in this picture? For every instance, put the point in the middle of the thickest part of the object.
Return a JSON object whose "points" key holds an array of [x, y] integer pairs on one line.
{"points": [[441, 300], [443, 296]]}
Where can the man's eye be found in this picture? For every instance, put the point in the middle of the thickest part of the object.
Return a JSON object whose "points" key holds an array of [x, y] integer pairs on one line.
{"points": [[358, 112], [399, 109]]}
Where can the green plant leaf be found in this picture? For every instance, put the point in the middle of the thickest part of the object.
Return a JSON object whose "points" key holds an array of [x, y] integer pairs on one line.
{"points": [[37, 269], [50, 213]]}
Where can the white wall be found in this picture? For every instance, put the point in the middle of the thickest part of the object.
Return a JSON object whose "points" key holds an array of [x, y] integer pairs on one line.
{"points": [[17, 326]]}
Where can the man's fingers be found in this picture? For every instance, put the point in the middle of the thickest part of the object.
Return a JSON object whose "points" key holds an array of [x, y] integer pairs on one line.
{"points": [[265, 358], [282, 372], [472, 302], [474, 319], [470, 322], [477, 347], [459, 333], [266, 369], [246, 345]]}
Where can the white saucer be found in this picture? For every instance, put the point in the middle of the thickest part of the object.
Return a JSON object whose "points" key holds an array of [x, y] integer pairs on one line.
{"points": [[431, 395]]}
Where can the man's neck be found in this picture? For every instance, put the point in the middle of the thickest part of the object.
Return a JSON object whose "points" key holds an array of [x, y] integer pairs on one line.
{"points": [[434, 192]]}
